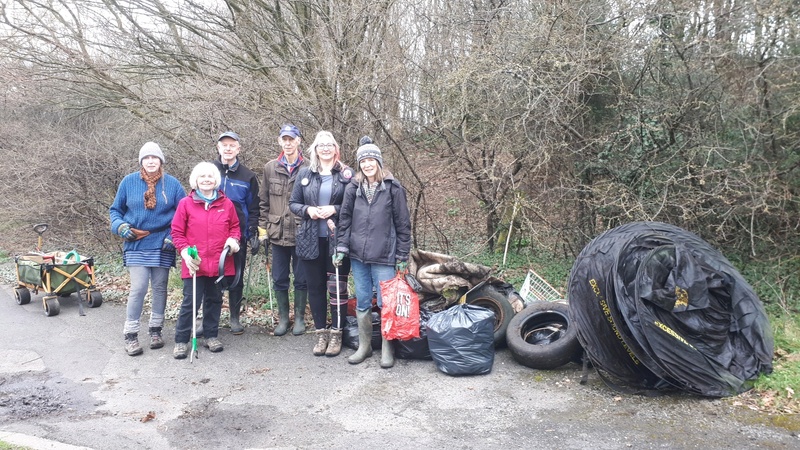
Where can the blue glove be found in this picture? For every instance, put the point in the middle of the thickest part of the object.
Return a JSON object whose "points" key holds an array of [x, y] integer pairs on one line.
{"points": [[337, 259], [401, 266], [168, 246], [125, 232]]}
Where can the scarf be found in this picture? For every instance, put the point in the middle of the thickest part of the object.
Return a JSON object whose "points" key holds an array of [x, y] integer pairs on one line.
{"points": [[151, 179], [290, 167], [208, 200], [369, 190]]}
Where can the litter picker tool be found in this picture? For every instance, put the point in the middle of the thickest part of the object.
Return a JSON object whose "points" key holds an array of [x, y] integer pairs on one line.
{"points": [[247, 288], [338, 298], [193, 354], [269, 286], [39, 229]]}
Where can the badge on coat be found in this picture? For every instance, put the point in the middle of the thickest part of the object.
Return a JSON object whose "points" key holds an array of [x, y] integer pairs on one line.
{"points": [[347, 173], [304, 181]]}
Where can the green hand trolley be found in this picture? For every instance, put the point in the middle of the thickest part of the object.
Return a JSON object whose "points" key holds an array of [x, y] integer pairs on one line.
{"points": [[58, 274]]}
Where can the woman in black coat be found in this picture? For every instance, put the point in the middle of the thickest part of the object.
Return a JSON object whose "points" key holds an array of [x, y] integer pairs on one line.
{"points": [[316, 199], [375, 232]]}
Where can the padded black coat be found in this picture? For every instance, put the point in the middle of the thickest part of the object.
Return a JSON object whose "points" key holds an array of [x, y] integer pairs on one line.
{"points": [[377, 232], [306, 194]]}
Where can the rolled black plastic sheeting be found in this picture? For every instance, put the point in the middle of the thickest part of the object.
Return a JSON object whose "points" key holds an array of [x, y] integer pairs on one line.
{"points": [[657, 307], [601, 331]]}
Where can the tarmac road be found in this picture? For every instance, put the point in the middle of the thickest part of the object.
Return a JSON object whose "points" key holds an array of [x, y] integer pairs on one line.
{"points": [[66, 382]]}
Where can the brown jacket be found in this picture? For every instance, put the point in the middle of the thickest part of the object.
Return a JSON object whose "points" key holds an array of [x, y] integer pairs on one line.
{"points": [[275, 217]]}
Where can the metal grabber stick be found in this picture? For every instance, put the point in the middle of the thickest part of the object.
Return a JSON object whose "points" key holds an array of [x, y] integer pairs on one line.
{"points": [[269, 286], [338, 297]]}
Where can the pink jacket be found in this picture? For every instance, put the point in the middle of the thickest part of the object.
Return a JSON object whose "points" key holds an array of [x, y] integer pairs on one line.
{"points": [[207, 227]]}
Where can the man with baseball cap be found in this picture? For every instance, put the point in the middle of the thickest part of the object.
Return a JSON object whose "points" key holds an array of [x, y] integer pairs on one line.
{"points": [[240, 185], [277, 227]]}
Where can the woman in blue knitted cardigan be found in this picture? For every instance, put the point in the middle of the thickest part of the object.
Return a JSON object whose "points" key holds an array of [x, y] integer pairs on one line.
{"points": [[142, 215]]}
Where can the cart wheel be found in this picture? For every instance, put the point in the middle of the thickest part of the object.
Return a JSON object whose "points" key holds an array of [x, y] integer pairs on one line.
{"points": [[51, 306], [95, 299], [22, 295]]}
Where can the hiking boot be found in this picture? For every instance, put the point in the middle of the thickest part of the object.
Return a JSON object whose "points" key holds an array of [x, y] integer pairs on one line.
{"points": [[180, 350], [132, 346], [213, 344], [156, 341], [322, 342], [335, 343]]}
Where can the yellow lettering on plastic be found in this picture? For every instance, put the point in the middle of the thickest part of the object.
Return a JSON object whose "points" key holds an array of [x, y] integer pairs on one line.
{"points": [[607, 313], [672, 333]]}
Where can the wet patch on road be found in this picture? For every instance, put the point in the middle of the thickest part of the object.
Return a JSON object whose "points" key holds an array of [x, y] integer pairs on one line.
{"points": [[36, 395], [210, 423]]}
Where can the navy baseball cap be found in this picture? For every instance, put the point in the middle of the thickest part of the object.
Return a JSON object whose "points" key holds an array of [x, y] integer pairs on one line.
{"points": [[290, 130], [229, 134]]}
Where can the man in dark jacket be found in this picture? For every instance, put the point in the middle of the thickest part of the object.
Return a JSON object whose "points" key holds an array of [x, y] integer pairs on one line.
{"points": [[278, 226], [240, 185]]}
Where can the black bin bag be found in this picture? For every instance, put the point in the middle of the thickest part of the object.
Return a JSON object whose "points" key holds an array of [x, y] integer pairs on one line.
{"points": [[658, 308], [416, 348], [461, 340]]}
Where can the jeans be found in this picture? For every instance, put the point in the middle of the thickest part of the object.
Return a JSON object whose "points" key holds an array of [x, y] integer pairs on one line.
{"points": [[367, 278], [209, 296], [282, 258], [141, 278]]}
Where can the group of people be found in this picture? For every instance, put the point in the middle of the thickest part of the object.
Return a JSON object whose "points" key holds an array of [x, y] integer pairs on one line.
{"points": [[321, 220]]}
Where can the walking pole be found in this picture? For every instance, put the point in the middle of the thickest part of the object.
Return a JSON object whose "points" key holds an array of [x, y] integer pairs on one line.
{"points": [[243, 306], [192, 355], [269, 287], [338, 297]]}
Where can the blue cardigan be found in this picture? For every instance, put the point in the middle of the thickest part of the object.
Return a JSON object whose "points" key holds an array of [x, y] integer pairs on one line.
{"points": [[128, 207]]}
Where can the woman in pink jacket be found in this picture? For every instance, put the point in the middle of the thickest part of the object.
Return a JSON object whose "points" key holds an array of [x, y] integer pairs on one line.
{"points": [[206, 219]]}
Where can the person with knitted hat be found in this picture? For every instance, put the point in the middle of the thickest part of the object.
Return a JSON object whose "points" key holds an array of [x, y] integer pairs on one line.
{"points": [[141, 215], [375, 232]]}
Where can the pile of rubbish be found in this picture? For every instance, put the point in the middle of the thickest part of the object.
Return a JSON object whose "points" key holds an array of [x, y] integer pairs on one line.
{"points": [[657, 308]]}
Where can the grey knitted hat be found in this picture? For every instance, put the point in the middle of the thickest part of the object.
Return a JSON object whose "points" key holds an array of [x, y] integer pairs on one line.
{"points": [[151, 149], [368, 150]]}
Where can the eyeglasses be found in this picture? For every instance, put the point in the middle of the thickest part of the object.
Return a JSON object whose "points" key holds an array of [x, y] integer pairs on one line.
{"points": [[326, 145]]}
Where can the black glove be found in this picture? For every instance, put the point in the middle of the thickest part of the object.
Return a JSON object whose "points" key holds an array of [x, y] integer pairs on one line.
{"points": [[255, 244]]}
